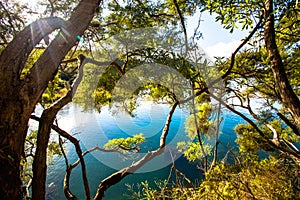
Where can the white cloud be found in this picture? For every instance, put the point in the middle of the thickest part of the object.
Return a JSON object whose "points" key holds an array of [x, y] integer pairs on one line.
{"points": [[222, 49]]}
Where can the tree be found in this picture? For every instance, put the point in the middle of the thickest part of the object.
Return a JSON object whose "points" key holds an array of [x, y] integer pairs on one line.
{"points": [[288, 97], [19, 95], [22, 86], [263, 73], [233, 14]]}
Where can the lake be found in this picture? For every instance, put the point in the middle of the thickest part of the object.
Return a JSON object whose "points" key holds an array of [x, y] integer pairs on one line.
{"points": [[93, 128]]}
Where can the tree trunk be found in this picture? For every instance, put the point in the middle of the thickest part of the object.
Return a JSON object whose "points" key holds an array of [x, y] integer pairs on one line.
{"points": [[19, 97], [13, 128], [39, 166], [288, 97]]}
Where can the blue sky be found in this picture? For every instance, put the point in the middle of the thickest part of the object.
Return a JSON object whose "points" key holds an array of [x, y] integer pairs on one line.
{"points": [[216, 41]]}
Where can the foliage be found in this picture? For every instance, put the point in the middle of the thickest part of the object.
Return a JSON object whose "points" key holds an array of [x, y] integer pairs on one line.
{"points": [[162, 189], [192, 150], [141, 14], [54, 91], [125, 144], [58, 8], [234, 14], [251, 179], [265, 179], [61, 83], [250, 142], [251, 79], [202, 116], [205, 123]]}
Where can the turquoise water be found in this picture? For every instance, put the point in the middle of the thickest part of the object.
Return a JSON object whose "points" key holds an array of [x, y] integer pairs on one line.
{"points": [[93, 128]]}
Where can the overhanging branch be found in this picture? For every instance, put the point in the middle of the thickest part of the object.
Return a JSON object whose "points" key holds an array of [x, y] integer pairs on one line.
{"points": [[227, 73], [118, 176], [259, 131]]}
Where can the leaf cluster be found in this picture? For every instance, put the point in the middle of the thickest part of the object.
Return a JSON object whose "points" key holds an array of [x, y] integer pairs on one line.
{"points": [[126, 144]]}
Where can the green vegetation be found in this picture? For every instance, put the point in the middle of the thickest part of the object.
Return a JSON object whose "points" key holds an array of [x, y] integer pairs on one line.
{"points": [[125, 144], [42, 63]]}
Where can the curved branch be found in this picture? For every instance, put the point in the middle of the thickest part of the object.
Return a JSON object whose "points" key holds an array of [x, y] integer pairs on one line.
{"points": [[24, 42], [245, 41], [45, 122], [75, 142], [227, 73], [45, 68], [118, 176], [70, 168], [270, 142], [94, 149]]}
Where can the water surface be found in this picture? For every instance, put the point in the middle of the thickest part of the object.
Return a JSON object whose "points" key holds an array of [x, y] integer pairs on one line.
{"points": [[93, 128]]}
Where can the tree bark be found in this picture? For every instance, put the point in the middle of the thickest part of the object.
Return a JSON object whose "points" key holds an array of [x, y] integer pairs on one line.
{"points": [[18, 96], [288, 97], [14, 108], [45, 125], [39, 166]]}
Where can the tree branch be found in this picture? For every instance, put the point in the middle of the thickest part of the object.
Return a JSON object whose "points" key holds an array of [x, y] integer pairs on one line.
{"points": [[205, 164], [45, 68], [68, 194], [28, 185], [227, 73], [287, 122], [181, 17], [245, 41], [10, 20], [25, 41], [45, 122], [118, 176], [270, 142], [274, 131], [75, 142]]}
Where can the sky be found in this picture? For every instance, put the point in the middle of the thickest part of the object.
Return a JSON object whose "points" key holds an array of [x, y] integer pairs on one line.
{"points": [[216, 40]]}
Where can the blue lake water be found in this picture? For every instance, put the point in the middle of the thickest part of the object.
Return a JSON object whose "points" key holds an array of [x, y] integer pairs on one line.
{"points": [[93, 128]]}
